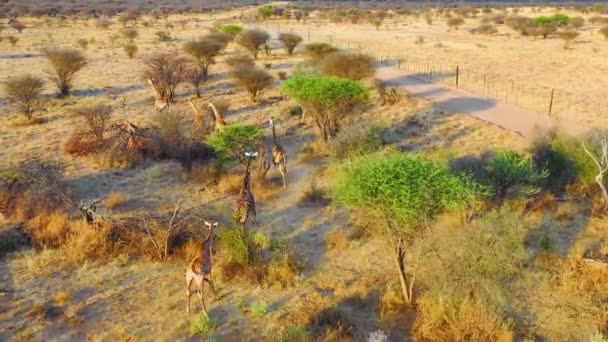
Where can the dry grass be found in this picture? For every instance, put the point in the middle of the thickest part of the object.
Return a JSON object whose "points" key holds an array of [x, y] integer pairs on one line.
{"points": [[115, 200], [337, 239]]}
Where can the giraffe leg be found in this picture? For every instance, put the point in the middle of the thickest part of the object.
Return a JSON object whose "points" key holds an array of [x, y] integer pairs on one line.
{"points": [[213, 289], [200, 295], [188, 294]]}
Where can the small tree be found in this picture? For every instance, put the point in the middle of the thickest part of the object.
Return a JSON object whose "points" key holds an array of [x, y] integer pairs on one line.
{"points": [[510, 171], [252, 40], [232, 30], [568, 37], [24, 92], [95, 119], [265, 12], [455, 22], [600, 159], [66, 63], [130, 49], [253, 79], [317, 51], [328, 100], [404, 192], [238, 60], [203, 51], [165, 70], [17, 25], [234, 140], [348, 65], [290, 41]]}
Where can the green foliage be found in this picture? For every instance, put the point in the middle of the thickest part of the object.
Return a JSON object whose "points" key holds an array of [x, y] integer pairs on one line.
{"points": [[324, 90], [510, 170], [405, 189], [558, 19], [327, 100], [202, 325], [294, 333], [237, 245], [234, 140], [357, 140], [265, 11], [259, 309], [231, 29], [547, 243]]}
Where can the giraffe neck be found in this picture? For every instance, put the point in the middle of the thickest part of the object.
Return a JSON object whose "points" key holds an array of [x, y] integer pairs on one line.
{"points": [[274, 134]]}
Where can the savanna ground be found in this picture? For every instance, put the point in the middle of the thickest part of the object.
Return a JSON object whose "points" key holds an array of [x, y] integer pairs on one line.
{"points": [[346, 287]]}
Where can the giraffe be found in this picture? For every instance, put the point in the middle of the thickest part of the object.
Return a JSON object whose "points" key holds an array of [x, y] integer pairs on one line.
{"points": [[219, 120], [245, 202], [199, 269], [197, 116], [278, 154]]}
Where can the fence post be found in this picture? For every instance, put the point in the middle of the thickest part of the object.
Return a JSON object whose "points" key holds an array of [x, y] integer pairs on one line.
{"points": [[457, 75], [551, 101]]}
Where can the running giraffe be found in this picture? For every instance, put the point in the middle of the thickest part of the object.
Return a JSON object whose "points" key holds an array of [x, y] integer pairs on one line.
{"points": [[278, 154], [244, 204]]}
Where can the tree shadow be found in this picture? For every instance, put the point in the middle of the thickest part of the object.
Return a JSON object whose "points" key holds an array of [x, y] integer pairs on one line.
{"points": [[107, 91], [20, 55]]}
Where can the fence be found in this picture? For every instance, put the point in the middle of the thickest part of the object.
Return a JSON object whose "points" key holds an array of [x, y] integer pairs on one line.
{"points": [[544, 100]]}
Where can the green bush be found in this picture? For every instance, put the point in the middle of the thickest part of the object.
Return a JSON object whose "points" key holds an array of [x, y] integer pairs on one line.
{"points": [[328, 100], [237, 245], [510, 171], [259, 309], [231, 29], [202, 325], [265, 11], [406, 189], [558, 19], [234, 140]]}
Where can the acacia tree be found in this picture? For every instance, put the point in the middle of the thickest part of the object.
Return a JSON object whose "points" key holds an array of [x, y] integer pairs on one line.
{"points": [[66, 63], [164, 71], [234, 140], [24, 92], [406, 193], [348, 65], [253, 79], [252, 40], [328, 100], [290, 41], [203, 51]]}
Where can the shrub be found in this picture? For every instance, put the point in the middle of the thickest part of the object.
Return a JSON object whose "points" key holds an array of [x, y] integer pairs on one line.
{"points": [[218, 36], [558, 19], [130, 49], [485, 29], [357, 140], [328, 100], [66, 63], [290, 41], [83, 43], [234, 140], [317, 51], [259, 309], [598, 20], [510, 171], [375, 184], [239, 60], [455, 22], [348, 65], [252, 40], [577, 22], [253, 79], [568, 37], [232, 30], [265, 12], [604, 32], [29, 187], [96, 119], [166, 70], [103, 23], [17, 26], [163, 36], [541, 30], [129, 33], [202, 325], [24, 92]]}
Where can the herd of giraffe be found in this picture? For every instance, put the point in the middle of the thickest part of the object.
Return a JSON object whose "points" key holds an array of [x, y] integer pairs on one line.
{"points": [[199, 270]]}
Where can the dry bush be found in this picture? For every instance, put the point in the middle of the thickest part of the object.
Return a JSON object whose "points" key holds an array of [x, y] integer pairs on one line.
{"points": [[130, 49], [568, 37], [337, 239], [290, 41], [239, 60], [317, 51], [577, 22], [13, 40], [348, 65], [166, 70], [114, 200], [218, 36], [129, 33], [91, 124], [66, 63], [598, 20], [419, 40], [315, 195], [252, 40], [484, 29], [24, 92], [17, 26], [163, 36], [30, 186], [203, 51], [103, 23], [455, 23], [253, 79], [518, 23], [604, 32], [83, 43]]}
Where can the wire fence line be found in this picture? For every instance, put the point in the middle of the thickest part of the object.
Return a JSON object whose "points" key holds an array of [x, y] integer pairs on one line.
{"points": [[555, 102]]}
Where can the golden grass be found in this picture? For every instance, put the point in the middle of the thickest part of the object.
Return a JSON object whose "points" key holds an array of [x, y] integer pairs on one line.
{"points": [[337, 239], [114, 200]]}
